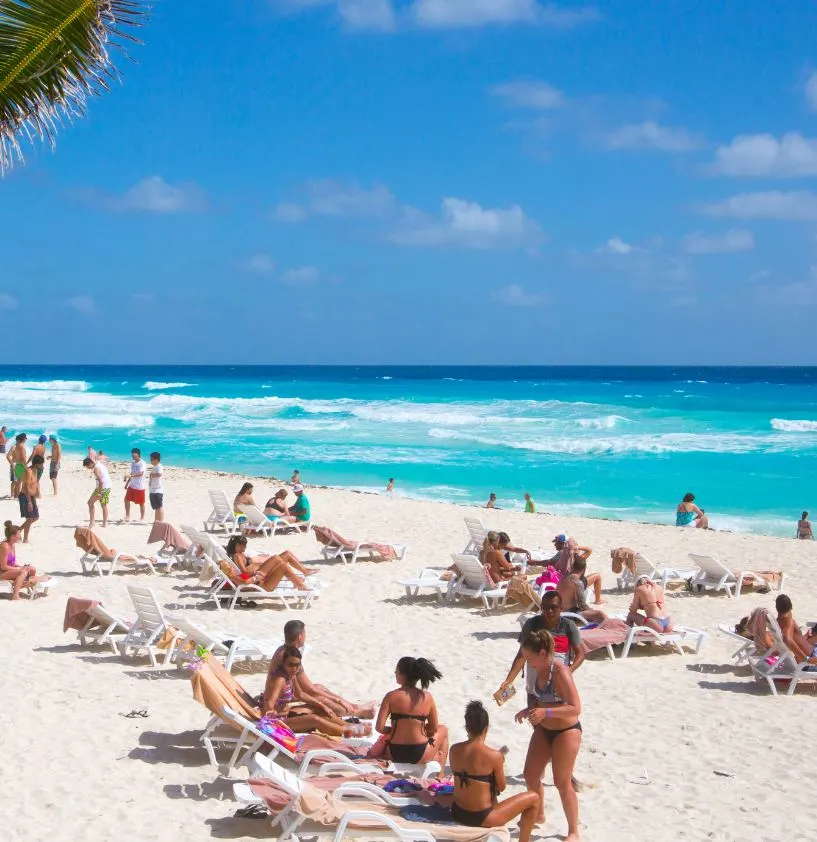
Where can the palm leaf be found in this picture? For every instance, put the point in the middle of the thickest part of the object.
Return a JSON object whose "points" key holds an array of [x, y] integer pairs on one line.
{"points": [[53, 56]]}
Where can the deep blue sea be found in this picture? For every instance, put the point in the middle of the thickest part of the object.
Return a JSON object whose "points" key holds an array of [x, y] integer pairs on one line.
{"points": [[616, 442]]}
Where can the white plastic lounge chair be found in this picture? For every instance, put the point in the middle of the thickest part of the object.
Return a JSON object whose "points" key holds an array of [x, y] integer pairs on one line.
{"points": [[222, 516], [229, 646], [429, 577], [350, 552], [679, 637], [644, 567], [746, 649], [96, 562], [150, 629], [103, 628], [472, 580], [476, 535], [780, 664], [255, 522], [713, 573], [40, 589]]}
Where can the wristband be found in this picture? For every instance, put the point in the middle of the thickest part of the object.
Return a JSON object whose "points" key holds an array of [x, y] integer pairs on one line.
{"points": [[547, 713]]}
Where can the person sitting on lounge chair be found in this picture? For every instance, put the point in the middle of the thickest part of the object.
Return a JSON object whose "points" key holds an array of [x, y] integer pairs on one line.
{"points": [[647, 608], [574, 599], [20, 575], [295, 635], [279, 701], [276, 508], [567, 551], [415, 734], [494, 559], [266, 571], [244, 498], [506, 548], [803, 647], [479, 777]]}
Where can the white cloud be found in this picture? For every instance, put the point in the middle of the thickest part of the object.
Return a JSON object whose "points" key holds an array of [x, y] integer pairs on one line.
{"points": [[368, 14], [811, 91], [515, 296], [764, 155], [302, 276], [155, 195], [536, 95], [795, 294], [735, 239], [7, 302], [797, 205], [615, 245], [259, 264], [327, 197], [440, 14], [469, 225], [83, 304], [651, 135]]}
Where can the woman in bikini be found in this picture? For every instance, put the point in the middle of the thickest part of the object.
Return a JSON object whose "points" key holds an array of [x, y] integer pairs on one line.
{"points": [[244, 498], [266, 571], [493, 557], [687, 511], [21, 576], [415, 734], [479, 777], [557, 732], [649, 599], [276, 508], [279, 701]]}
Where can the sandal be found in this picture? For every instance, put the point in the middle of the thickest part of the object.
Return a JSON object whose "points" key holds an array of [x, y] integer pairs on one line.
{"points": [[253, 811]]}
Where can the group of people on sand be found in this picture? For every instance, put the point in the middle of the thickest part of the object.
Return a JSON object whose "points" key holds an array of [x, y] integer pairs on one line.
{"points": [[803, 646], [411, 732], [276, 507]]}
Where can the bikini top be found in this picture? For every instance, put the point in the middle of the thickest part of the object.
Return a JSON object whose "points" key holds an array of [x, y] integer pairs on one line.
{"points": [[547, 695], [396, 717], [11, 561], [465, 778], [287, 694]]}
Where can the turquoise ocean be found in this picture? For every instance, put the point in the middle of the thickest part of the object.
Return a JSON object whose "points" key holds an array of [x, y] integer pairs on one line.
{"points": [[616, 442]]}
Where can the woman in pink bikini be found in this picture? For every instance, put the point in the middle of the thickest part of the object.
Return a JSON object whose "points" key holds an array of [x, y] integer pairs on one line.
{"points": [[24, 576]]}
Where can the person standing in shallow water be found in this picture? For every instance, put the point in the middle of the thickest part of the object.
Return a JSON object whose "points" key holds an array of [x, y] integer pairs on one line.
{"points": [[804, 532], [530, 505]]}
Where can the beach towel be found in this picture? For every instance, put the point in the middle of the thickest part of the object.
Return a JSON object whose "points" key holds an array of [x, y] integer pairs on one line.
{"points": [[329, 538], [757, 629], [564, 563], [623, 557], [609, 632], [76, 612], [86, 539], [169, 535], [520, 589]]}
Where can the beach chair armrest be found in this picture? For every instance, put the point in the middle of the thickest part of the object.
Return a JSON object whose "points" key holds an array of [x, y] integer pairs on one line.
{"points": [[321, 754], [383, 821]]}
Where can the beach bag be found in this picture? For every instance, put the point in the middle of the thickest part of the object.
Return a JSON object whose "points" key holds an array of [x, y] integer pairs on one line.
{"points": [[549, 576]]}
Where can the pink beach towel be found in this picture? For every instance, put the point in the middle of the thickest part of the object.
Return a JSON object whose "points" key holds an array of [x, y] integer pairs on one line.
{"points": [[76, 612], [329, 538], [169, 535], [610, 632]]}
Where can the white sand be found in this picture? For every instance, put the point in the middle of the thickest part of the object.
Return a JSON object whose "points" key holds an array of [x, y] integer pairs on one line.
{"points": [[74, 768]]}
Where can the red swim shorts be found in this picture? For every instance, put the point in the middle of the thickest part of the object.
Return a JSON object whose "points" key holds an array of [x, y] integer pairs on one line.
{"points": [[133, 495]]}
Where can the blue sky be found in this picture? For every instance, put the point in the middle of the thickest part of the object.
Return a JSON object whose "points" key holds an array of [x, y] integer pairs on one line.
{"points": [[430, 181]]}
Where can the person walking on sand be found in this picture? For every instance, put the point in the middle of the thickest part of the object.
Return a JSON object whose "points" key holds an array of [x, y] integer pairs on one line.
{"points": [[135, 484], [29, 493], [530, 505], [102, 491], [390, 486], [156, 488], [17, 459], [55, 458], [804, 532], [39, 450]]}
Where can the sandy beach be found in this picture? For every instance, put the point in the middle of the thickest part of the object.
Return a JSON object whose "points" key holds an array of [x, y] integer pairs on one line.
{"points": [[675, 748]]}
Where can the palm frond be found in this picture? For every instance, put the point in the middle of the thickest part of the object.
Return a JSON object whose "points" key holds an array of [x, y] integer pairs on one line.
{"points": [[53, 56]]}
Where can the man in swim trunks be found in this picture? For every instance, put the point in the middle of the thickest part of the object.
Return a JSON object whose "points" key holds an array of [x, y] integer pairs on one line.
{"points": [[29, 492], [17, 459], [135, 484], [3, 431], [102, 491], [39, 450], [54, 467]]}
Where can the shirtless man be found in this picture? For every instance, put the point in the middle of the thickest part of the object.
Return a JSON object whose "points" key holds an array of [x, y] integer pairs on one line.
{"points": [[574, 599], [567, 551], [802, 646], [29, 492], [54, 458], [101, 492], [3, 431], [649, 598], [39, 450], [324, 699], [17, 459]]}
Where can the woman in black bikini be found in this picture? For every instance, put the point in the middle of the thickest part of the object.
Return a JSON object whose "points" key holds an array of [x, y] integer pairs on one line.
{"points": [[557, 732], [479, 776], [415, 734]]}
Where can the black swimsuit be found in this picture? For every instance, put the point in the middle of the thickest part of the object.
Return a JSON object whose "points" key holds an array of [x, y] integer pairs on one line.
{"points": [[473, 818], [408, 752]]}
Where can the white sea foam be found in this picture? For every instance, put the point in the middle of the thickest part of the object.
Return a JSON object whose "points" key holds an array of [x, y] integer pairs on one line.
{"points": [[385, 378], [607, 422], [157, 385], [45, 385], [787, 426]]}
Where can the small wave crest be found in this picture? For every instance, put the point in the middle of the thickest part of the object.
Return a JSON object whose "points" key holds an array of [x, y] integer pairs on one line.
{"points": [[157, 385], [796, 426], [607, 422], [43, 385]]}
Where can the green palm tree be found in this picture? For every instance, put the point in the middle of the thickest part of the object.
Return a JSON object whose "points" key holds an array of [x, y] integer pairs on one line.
{"points": [[53, 56]]}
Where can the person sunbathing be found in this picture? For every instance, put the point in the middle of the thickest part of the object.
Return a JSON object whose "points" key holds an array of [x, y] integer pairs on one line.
{"points": [[244, 498], [295, 636], [803, 647], [415, 734], [649, 599], [506, 548], [479, 777], [573, 593], [21, 576], [279, 701], [276, 508], [266, 571], [494, 559]]}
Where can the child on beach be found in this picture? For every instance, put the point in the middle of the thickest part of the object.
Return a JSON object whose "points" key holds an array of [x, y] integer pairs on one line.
{"points": [[156, 489]]}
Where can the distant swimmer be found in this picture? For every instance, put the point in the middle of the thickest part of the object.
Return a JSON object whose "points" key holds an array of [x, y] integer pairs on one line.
{"points": [[491, 504], [530, 505], [804, 532]]}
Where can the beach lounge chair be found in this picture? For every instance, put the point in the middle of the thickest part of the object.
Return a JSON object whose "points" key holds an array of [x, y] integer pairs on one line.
{"points": [[679, 637], [151, 632], [227, 645], [428, 577], [222, 517], [746, 648], [352, 809], [350, 552], [96, 555], [94, 623], [472, 580], [714, 574], [32, 591], [476, 535], [175, 549], [779, 663], [644, 567], [255, 522]]}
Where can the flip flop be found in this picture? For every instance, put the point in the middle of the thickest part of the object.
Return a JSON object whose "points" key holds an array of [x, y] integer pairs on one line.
{"points": [[254, 811], [136, 714]]}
